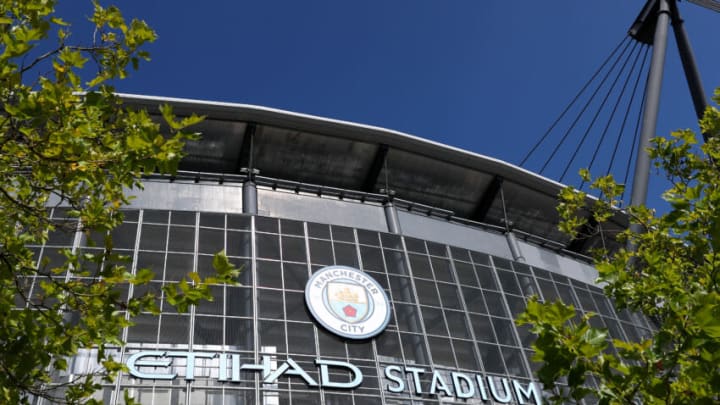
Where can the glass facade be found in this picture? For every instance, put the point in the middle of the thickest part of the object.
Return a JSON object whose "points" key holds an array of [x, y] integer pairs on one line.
{"points": [[453, 309]]}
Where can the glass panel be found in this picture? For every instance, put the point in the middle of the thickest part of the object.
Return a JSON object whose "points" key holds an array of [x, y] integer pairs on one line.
{"points": [[272, 336], [270, 304], [290, 227], [213, 220], [295, 306], [293, 249], [123, 236], [321, 231], [487, 281], [208, 330], [465, 274], [321, 252], [441, 268], [235, 221], [414, 348], [269, 274], [182, 218], [434, 322], [301, 338], [265, 224], [371, 258], [465, 354], [239, 333], [295, 276], [449, 296], [482, 328], [474, 300], [345, 254], [153, 237], [174, 328], [239, 244], [268, 246], [239, 301], [155, 216], [441, 350], [178, 266], [457, 324], [211, 240], [343, 234], [427, 293], [420, 266], [182, 239], [504, 331], [509, 284], [491, 358]]}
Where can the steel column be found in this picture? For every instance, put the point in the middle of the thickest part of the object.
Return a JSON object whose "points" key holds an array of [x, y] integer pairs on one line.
{"points": [[652, 105]]}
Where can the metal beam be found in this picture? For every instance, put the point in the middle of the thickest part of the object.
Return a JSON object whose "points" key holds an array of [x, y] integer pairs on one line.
{"points": [[245, 156], [375, 168], [692, 74], [652, 105], [486, 200]]}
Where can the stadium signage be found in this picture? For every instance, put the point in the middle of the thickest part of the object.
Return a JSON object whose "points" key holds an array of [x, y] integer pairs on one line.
{"points": [[347, 302], [158, 365]]}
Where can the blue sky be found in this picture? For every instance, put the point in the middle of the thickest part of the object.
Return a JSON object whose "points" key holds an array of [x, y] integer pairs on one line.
{"points": [[484, 75]]}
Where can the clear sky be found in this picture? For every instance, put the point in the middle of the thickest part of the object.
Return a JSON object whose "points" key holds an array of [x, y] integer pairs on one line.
{"points": [[488, 76]]}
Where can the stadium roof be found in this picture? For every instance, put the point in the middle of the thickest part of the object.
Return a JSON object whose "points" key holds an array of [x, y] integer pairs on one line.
{"points": [[427, 176]]}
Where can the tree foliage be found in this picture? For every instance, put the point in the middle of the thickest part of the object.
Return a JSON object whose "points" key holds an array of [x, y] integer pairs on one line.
{"points": [[670, 274], [67, 140]]}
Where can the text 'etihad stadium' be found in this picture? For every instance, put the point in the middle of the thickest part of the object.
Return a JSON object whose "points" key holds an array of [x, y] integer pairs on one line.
{"points": [[144, 365]]}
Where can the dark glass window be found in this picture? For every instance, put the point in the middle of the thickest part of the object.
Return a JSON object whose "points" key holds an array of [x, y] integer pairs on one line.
{"points": [[465, 274], [153, 237], [293, 249], [265, 224], [208, 330], [211, 240], [495, 304], [427, 293], [217, 305], [480, 258], [345, 254], [457, 324], [295, 276], [437, 249], [484, 274], [321, 231], [155, 216], [465, 354], [504, 331], [239, 301], [368, 237], [182, 239], [321, 252], [152, 261], [407, 318], [388, 344], [420, 266], [395, 262], [401, 288], [474, 300], [213, 220], [239, 244], [371, 258], [415, 245], [508, 282], [434, 322], [235, 221], [145, 329], [514, 361], [290, 227], [301, 338], [178, 266], [269, 274], [182, 218], [239, 333], [449, 296], [123, 236], [441, 350], [268, 246], [295, 307], [343, 234], [491, 358], [414, 348], [272, 336], [174, 329], [329, 344], [442, 270]]}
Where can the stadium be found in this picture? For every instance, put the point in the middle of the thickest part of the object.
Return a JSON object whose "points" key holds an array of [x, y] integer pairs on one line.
{"points": [[378, 267]]}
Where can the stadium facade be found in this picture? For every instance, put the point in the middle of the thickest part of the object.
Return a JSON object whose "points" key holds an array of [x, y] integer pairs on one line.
{"points": [[334, 223]]}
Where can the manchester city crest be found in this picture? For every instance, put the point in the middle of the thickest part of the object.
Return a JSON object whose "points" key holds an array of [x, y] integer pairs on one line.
{"points": [[347, 302]]}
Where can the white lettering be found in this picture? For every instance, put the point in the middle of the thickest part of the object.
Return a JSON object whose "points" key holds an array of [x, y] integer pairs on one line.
{"points": [[399, 380], [134, 362], [439, 384], [506, 389], [458, 379], [530, 392], [416, 377], [325, 375]]}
